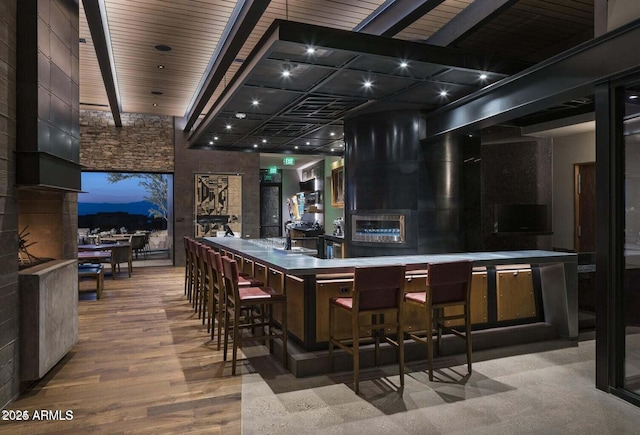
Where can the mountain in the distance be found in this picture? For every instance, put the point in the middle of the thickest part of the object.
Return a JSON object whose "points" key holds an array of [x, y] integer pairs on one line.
{"points": [[139, 207]]}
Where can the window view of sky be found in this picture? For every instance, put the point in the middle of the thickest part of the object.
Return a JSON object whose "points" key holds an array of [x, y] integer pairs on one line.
{"points": [[100, 190]]}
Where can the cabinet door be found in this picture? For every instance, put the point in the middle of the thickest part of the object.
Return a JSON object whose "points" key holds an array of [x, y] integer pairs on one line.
{"points": [[515, 298]]}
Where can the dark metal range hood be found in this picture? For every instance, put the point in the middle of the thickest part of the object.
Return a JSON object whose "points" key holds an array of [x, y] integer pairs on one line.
{"points": [[48, 101]]}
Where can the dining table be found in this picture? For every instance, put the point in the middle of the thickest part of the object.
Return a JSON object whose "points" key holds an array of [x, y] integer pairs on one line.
{"points": [[93, 256], [101, 246]]}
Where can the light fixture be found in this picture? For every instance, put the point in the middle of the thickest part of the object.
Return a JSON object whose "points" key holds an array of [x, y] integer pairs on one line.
{"points": [[307, 143], [331, 149], [633, 97], [161, 66], [240, 115], [255, 145], [367, 84], [157, 92], [483, 76], [161, 47], [295, 147], [443, 93], [332, 134], [286, 73], [210, 142], [215, 137], [255, 102], [228, 126], [264, 141], [311, 50], [403, 64], [155, 104]]}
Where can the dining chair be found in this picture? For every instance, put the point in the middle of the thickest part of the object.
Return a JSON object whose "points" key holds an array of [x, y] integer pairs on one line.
{"points": [[239, 298], [377, 293], [447, 285], [120, 254]]}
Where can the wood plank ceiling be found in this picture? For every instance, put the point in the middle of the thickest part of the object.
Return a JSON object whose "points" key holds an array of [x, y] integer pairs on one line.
{"points": [[529, 30]]}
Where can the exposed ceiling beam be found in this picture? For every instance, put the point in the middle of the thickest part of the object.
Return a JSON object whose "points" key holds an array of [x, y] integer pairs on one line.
{"points": [[569, 75], [472, 17], [97, 26], [238, 30], [394, 16]]}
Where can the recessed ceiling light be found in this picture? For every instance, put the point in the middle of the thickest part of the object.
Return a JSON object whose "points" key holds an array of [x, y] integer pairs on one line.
{"points": [[255, 145], [286, 73], [311, 50], [264, 141], [228, 126], [403, 64], [307, 143], [157, 92], [210, 142], [483, 76], [82, 40], [295, 147], [215, 137], [160, 66], [367, 84], [155, 104], [633, 97], [162, 47], [331, 149], [240, 115], [332, 134], [341, 145], [255, 102], [443, 93]]}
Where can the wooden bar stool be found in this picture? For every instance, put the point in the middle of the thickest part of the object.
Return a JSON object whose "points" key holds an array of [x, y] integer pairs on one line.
{"points": [[217, 291], [240, 298], [187, 270], [377, 292], [448, 285]]}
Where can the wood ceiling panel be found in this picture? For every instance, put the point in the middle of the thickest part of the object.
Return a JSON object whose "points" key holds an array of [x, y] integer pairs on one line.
{"points": [[92, 90], [191, 28], [434, 20]]}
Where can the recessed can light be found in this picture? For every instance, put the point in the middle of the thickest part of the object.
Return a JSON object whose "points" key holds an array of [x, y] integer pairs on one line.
{"points": [[210, 142], [255, 102], [633, 97], [255, 145], [311, 50], [162, 47], [215, 137], [331, 149], [483, 76], [264, 141], [160, 66], [307, 143], [295, 147], [228, 126], [443, 93], [157, 92], [332, 134], [403, 64], [286, 73], [155, 104], [367, 84]]}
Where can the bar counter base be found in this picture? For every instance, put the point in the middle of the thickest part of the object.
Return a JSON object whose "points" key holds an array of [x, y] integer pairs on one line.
{"points": [[311, 363]]}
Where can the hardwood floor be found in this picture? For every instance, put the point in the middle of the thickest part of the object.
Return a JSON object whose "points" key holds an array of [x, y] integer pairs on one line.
{"points": [[143, 364]]}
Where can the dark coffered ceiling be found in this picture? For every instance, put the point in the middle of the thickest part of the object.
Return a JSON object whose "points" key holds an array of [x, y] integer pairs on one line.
{"points": [[225, 55]]}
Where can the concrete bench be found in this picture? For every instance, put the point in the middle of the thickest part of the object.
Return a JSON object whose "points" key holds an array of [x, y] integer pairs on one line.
{"points": [[93, 271]]}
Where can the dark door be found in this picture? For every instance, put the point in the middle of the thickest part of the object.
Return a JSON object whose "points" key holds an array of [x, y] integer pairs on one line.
{"points": [[585, 207], [270, 210]]}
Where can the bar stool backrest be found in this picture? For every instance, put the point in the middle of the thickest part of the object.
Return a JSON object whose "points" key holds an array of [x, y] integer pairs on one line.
{"points": [[231, 277], [449, 282], [378, 288]]}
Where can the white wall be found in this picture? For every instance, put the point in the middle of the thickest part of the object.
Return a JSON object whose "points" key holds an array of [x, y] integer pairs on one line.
{"points": [[568, 150]]}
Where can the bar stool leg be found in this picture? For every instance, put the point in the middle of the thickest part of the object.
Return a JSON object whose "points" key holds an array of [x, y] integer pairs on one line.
{"points": [[331, 319], [356, 352]]}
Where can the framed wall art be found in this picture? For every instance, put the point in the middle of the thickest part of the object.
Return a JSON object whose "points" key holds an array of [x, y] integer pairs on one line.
{"points": [[218, 205]]}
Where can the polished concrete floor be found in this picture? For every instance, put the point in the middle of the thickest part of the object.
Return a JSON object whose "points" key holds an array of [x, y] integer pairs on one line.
{"points": [[544, 388]]}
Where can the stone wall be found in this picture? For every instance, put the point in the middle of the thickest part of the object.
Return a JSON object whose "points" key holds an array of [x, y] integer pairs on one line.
{"points": [[9, 346], [144, 143]]}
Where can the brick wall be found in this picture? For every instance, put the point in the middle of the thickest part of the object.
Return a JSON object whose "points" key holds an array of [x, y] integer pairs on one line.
{"points": [[144, 143], [9, 382]]}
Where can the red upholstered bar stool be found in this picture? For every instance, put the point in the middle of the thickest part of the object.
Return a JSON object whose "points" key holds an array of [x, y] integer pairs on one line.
{"points": [[246, 298], [217, 291], [377, 292], [448, 285]]}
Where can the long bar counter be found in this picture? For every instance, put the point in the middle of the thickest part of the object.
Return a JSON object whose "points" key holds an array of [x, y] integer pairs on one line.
{"points": [[549, 293]]}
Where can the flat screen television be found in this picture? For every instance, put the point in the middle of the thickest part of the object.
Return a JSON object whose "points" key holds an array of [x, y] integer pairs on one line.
{"points": [[521, 218]]}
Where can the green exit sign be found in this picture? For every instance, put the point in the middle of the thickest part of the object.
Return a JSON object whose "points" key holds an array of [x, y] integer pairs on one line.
{"points": [[288, 161], [273, 170]]}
